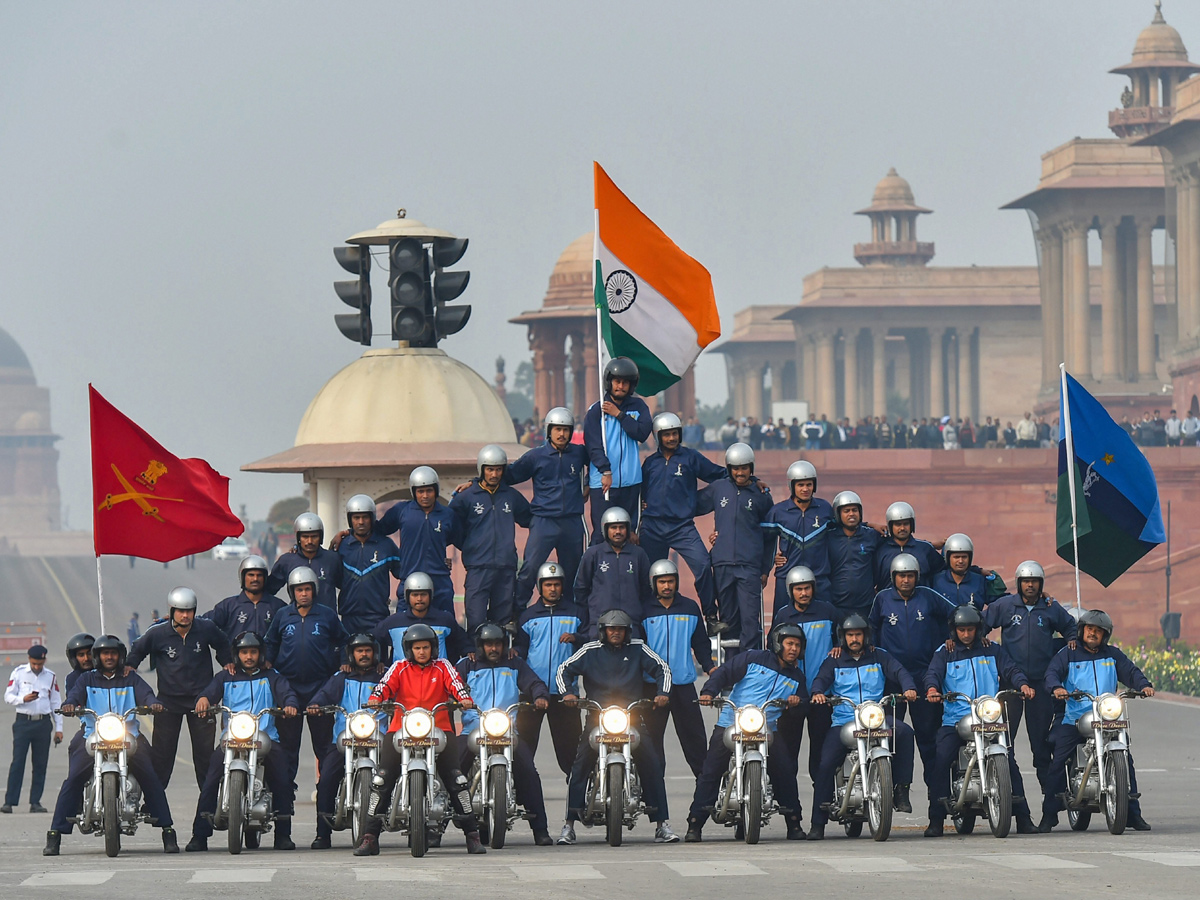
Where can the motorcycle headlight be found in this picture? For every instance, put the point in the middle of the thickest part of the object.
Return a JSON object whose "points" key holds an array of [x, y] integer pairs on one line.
{"points": [[750, 720], [111, 728], [614, 720], [989, 709], [870, 715], [362, 725], [242, 726], [1111, 707], [495, 723], [418, 724]]}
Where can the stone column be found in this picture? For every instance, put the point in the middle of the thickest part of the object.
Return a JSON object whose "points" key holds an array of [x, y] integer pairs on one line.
{"points": [[810, 372], [826, 375], [323, 495], [850, 364], [591, 371], [1183, 253], [1112, 319], [1193, 250], [1052, 304], [1129, 323], [754, 388], [578, 377], [937, 385], [1080, 325], [542, 383], [964, 373], [1145, 299], [1068, 296], [879, 372]]}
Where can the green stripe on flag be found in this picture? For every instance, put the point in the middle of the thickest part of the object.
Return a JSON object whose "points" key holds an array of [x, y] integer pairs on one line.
{"points": [[653, 375], [1104, 547]]}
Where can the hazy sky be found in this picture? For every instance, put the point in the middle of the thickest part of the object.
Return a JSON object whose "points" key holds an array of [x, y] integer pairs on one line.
{"points": [[176, 175]]}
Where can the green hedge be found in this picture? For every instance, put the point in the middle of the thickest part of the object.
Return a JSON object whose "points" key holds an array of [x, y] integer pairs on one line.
{"points": [[1176, 670]]}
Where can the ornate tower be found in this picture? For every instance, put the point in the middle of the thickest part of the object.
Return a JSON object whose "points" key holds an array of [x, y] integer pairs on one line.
{"points": [[893, 213], [1159, 64]]}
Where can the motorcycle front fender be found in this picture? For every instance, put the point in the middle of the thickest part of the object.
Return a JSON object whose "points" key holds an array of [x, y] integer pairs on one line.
{"points": [[996, 750], [497, 759], [879, 753], [753, 756], [109, 765], [416, 765], [364, 762], [239, 765]]}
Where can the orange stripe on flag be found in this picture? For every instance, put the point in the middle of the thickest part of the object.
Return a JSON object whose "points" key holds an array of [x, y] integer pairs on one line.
{"points": [[630, 236]]}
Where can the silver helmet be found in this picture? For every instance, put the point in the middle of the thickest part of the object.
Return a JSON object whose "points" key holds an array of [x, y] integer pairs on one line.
{"points": [[308, 522], [614, 515], [802, 470], [359, 503], [665, 421], [663, 568], [799, 575], [739, 454], [422, 476], [550, 571], [560, 415], [181, 598], [490, 455], [251, 564], [905, 562], [958, 543], [846, 498], [301, 575], [899, 512], [418, 581], [1031, 569]]}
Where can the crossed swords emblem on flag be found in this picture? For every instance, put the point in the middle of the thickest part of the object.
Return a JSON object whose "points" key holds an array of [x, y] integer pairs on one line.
{"points": [[154, 471]]}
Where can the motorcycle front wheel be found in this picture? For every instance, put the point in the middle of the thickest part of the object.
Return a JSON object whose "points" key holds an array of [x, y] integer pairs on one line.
{"points": [[362, 800], [879, 798], [1079, 819], [110, 798], [418, 839], [999, 800], [752, 808], [237, 810], [1116, 798], [615, 818], [495, 811]]}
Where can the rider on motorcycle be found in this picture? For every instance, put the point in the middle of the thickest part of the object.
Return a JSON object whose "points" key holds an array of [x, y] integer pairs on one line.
{"points": [[250, 688], [106, 689], [756, 677], [1096, 667], [421, 679], [497, 681], [974, 669], [862, 672], [613, 670], [350, 691]]}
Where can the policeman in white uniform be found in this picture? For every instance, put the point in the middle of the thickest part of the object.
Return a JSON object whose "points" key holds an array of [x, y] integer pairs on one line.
{"points": [[33, 690]]}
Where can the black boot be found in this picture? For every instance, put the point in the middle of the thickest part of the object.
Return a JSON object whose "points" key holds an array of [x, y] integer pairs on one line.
{"points": [[170, 841], [368, 846], [283, 835], [795, 831], [474, 844], [1025, 824], [1137, 823], [901, 801], [321, 842], [1049, 820], [936, 828], [816, 832], [542, 839], [53, 842], [196, 845]]}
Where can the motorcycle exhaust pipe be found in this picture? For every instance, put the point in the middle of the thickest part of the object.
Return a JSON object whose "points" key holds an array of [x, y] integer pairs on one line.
{"points": [[850, 789], [1083, 780], [966, 784]]}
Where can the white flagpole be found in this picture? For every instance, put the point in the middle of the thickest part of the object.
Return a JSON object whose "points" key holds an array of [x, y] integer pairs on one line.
{"points": [[1066, 410], [100, 593], [600, 347]]}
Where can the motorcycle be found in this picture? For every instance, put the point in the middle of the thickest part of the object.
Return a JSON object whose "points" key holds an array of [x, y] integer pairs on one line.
{"points": [[614, 793], [979, 778], [723, 644], [112, 799], [745, 798], [360, 743], [862, 787], [420, 801], [1098, 770], [244, 809], [493, 794]]}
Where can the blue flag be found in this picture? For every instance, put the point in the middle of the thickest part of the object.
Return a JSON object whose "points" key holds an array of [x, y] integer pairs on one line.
{"points": [[1117, 511]]}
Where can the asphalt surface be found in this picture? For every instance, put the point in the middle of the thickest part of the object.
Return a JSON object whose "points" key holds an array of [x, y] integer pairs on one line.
{"points": [[1162, 863]]}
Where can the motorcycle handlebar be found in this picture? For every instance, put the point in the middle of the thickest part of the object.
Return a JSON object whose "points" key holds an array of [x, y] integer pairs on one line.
{"points": [[1124, 695], [84, 711]]}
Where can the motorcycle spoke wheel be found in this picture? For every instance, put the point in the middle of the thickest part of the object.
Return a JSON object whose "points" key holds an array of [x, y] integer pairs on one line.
{"points": [[879, 799], [999, 799], [1116, 798], [361, 797]]}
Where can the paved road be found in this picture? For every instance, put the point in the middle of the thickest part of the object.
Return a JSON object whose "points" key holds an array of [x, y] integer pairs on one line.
{"points": [[1163, 863]]}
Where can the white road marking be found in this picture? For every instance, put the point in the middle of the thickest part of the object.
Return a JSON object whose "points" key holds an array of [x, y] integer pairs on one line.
{"points": [[391, 874], [736, 868], [555, 873], [1141, 770], [232, 876], [861, 864], [1166, 858], [1033, 861], [62, 879]]}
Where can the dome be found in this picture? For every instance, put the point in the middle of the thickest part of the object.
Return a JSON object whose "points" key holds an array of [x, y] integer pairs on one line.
{"points": [[571, 278], [405, 395], [893, 194], [1159, 42], [11, 354], [32, 421]]}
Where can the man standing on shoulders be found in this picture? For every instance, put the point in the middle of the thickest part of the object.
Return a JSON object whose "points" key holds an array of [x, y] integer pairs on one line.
{"points": [[613, 429], [253, 608], [801, 524], [307, 551]]}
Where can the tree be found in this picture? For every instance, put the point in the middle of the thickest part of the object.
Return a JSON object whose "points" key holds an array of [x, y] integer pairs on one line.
{"points": [[283, 513]]}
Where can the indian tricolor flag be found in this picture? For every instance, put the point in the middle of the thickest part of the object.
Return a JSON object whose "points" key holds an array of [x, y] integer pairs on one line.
{"points": [[654, 303]]}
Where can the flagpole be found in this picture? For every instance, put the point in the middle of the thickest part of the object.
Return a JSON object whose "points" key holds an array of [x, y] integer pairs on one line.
{"points": [[1066, 409], [600, 347], [100, 593]]}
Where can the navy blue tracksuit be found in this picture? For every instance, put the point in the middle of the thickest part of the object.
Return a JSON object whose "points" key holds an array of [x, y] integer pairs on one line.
{"points": [[802, 535], [540, 630], [367, 570], [453, 642], [677, 633], [911, 631], [929, 559], [1028, 636], [669, 518], [741, 556], [487, 530], [608, 579], [852, 569], [327, 565], [971, 591], [424, 537], [557, 507], [239, 613], [613, 446], [184, 668]]}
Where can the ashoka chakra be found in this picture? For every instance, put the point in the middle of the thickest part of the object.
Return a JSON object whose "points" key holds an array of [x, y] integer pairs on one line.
{"points": [[621, 290]]}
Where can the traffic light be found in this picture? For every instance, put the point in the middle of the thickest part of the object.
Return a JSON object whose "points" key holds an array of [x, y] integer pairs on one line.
{"points": [[356, 259], [447, 286], [412, 300]]}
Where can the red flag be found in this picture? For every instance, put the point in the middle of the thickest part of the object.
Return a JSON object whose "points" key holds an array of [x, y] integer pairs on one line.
{"points": [[147, 501]]}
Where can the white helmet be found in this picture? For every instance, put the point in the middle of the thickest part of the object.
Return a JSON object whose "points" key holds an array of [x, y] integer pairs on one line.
{"points": [[181, 598], [739, 454], [422, 476], [550, 571], [663, 568], [560, 415], [799, 575], [1030, 569], [905, 562], [418, 581], [900, 512], [359, 503], [666, 421], [958, 543], [298, 576], [801, 470], [490, 455], [308, 522], [846, 498]]}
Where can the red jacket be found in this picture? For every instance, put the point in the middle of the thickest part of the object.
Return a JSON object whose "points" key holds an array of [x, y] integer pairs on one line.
{"points": [[421, 686]]}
